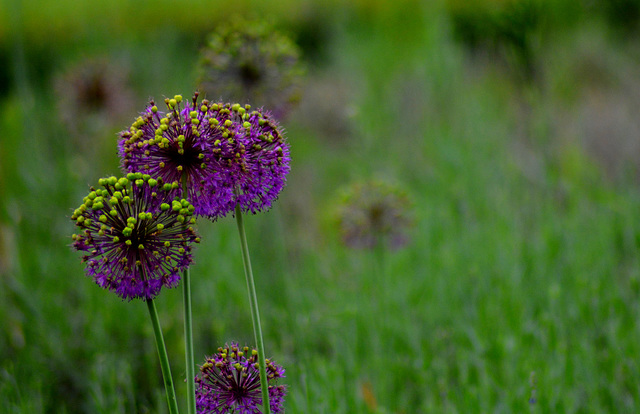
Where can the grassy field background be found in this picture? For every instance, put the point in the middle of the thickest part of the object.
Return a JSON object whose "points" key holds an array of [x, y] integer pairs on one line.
{"points": [[512, 125]]}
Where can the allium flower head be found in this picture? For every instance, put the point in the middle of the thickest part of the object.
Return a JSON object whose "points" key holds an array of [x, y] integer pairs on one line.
{"points": [[251, 160], [229, 382], [173, 145], [224, 154], [251, 62], [136, 234], [374, 212]]}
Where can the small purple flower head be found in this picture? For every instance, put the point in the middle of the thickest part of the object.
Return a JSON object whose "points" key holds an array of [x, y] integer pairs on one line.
{"points": [[373, 213], [136, 234], [251, 160], [229, 382]]}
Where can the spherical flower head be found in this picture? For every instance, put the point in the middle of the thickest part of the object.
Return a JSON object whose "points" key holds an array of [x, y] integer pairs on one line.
{"points": [[229, 382], [174, 145], [251, 61], [372, 213], [251, 160], [136, 233], [224, 155]]}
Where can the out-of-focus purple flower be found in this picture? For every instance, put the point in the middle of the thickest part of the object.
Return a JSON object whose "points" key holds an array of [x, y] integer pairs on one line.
{"points": [[251, 61], [229, 382], [225, 155], [374, 213], [136, 234]]}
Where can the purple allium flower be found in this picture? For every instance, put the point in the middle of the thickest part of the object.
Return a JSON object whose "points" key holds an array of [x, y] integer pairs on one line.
{"points": [[251, 61], [229, 382], [374, 212], [224, 154], [174, 146], [136, 233], [251, 159]]}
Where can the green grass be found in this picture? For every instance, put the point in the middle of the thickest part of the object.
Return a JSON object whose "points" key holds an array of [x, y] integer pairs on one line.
{"points": [[523, 262]]}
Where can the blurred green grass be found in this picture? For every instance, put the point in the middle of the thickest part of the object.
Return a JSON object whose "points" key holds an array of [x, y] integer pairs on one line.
{"points": [[524, 256]]}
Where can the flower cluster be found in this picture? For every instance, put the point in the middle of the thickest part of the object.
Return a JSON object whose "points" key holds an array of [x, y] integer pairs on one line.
{"points": [[136, 234], [223, 154], [251, 61], [373, 213], [229, 382]]}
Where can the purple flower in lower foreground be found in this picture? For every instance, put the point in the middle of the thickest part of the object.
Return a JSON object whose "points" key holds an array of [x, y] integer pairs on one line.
{"points": [[137, 235], [229, 382]]}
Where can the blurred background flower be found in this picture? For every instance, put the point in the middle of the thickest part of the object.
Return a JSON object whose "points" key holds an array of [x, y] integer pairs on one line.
{"points": [[372, 213], [94, 95], [250, 61]]}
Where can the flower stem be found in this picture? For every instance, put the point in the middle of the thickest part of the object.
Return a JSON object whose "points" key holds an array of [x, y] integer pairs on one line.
{"points": [[188, 340], [255, 314], [164, 359], [188, 331]]}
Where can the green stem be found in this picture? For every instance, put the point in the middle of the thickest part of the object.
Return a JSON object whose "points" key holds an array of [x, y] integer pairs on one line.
{"points": [[255, 314], [188, 340], [164, 359], [188, 331]]}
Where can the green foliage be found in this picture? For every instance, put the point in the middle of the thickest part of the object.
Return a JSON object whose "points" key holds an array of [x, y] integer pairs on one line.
{"points": [[522, 279]]}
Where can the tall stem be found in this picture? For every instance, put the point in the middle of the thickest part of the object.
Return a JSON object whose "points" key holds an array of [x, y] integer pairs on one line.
{"points": [[164, 359], [188, 331], [188, 342], [255, 314]]}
